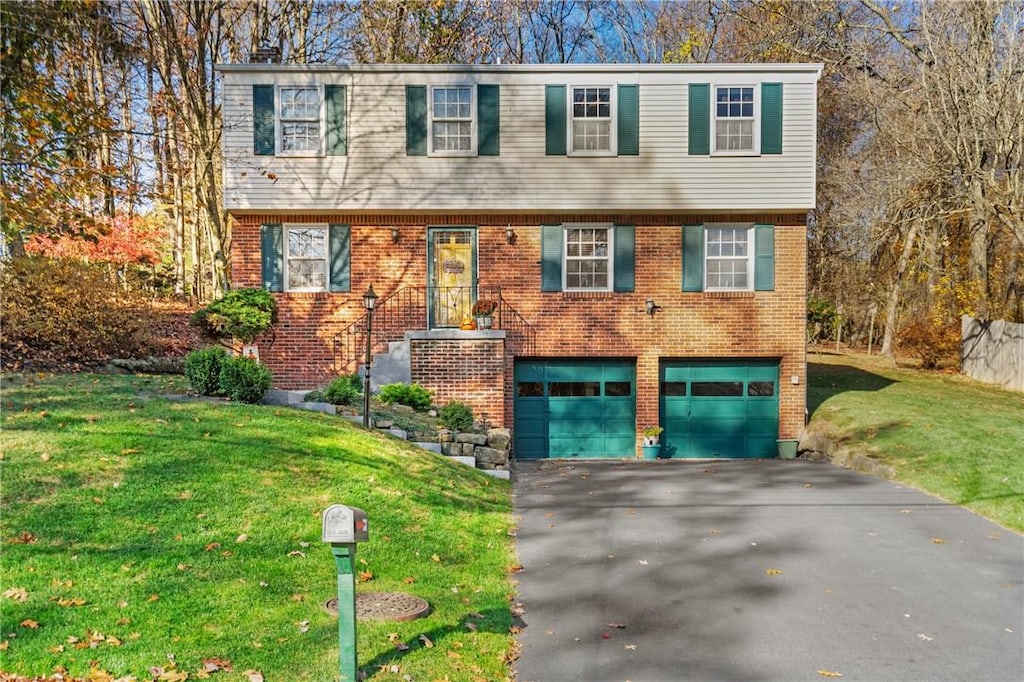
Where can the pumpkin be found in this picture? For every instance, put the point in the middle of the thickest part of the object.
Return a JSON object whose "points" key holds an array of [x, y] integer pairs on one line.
{"points": [[468, 323]]}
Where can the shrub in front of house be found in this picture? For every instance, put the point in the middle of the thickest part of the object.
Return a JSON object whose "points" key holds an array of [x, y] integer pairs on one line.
{"points": [[413, 395], [241, 314], [202, 369], [244, 379], [343, 390], [457, 416]]}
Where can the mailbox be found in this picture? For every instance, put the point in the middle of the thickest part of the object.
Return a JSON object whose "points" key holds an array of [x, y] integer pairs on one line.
{"points": [[343, 524]]}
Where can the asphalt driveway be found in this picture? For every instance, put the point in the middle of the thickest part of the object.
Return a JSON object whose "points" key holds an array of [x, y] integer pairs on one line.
{"points": [[758, 570]]}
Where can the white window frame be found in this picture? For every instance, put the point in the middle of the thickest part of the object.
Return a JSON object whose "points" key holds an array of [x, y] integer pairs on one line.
{"points": [[755, 150], [323, 227], [749, 229], [472, 119], [279, 119], [613, 101], [610, 227]]}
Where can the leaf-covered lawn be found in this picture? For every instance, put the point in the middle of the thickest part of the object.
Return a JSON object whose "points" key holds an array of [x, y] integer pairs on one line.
{"points": [[946, 434], [144, 536]]}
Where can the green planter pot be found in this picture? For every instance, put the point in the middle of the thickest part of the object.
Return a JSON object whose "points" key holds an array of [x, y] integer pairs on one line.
{"points": [[787, 449], [651, 451]]}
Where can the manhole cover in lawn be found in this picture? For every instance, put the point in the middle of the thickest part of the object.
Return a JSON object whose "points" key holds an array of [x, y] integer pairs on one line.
{"points": [[394, 606]]}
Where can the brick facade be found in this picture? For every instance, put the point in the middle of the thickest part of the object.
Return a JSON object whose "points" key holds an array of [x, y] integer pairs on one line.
{"points": [[765, 324], [469, 370]]}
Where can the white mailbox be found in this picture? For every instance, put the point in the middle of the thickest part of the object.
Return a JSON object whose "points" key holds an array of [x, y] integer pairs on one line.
{"points": [[345, 524]]}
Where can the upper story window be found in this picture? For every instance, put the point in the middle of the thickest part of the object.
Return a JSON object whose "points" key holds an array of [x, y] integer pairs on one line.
{"points": [[452, 125], [591, 120], [300, 130], [734, 119], [588, 258], [299, 120]]}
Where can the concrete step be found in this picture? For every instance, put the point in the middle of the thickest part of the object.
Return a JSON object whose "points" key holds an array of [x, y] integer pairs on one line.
{"points": [[468, 461], [503, 474]]}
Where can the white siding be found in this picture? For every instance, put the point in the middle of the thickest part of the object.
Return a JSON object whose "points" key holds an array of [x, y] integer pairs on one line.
{"points": [[376, 175]]}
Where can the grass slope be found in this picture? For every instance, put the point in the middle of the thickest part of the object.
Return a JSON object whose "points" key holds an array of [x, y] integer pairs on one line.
{"points": [[949, 435], [139, 530]]}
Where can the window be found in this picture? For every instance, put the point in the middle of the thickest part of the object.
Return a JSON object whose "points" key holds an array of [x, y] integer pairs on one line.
{"points": [[717, 389], [306, 258], [734, 119], [761, 389], [728, 258], [618, 389], [451, 121], [673, 389], [588, 260], [299, 120], [591, 120], [574, 389]]}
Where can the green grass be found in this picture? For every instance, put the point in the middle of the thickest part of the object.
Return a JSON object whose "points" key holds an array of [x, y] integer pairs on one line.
{"points": [[959, 439], [192, 530]]}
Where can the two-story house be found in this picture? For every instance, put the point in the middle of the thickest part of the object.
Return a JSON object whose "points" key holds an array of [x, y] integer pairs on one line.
{"points": [[641, 228]]}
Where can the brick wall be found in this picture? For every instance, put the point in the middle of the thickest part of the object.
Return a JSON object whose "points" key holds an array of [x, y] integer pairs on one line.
{"points": [[768, 324], [471, 371]]}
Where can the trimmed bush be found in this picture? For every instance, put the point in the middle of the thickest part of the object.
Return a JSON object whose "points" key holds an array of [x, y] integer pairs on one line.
{"points": [[413, 395], [241, 313], [457, 416], [202, 369], [343, 391], [244, 379]]}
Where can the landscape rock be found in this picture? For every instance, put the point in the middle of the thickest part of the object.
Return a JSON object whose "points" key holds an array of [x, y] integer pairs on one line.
{"points": [[493, 456], [474, 438], [499, 438]]}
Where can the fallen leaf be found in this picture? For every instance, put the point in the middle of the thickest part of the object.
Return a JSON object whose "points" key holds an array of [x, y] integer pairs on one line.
{"points": [[773, 571], [29, 623], [938, 541], [426, 641], [212, 546], [925, 638], [129, 451], [303, 625], [642, 562], [631, 647], [25, 538], [408, 580], [153, 597], [68, 601], [434, 557], [184, 567], [829, 673], [212, 665], [17, 594], [905, 511], [606, 635], [226, 553], [618, 626], [253, 675], [242, 538], [296, 552], [298, 597], [364, 576], [808, 485]]}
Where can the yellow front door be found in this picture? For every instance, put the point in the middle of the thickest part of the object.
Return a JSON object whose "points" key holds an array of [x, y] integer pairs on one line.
{"points": [[452, 275]]}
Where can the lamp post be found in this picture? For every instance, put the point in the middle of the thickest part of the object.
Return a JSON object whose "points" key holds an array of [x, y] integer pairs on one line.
{"points": [[369, 302]]}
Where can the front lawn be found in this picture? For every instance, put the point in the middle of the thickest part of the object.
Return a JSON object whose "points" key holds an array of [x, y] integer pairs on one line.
{"points": [[144, 536], [946, 434]]}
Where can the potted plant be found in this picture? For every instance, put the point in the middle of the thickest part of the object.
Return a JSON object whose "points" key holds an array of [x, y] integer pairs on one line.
{"points": [[651, 447], [483, 311]]}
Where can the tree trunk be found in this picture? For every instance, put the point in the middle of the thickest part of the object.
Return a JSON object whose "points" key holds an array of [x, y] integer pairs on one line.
{"points": [[892, 300]]}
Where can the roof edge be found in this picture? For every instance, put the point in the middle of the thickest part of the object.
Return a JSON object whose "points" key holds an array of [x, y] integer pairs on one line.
{"points": [[717, 67]]}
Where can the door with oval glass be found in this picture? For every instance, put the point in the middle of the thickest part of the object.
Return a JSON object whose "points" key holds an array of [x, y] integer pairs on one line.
{"points": [[451, 270]]}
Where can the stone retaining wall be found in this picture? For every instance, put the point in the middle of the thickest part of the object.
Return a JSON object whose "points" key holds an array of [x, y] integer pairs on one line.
{"points": [[490, 449]]}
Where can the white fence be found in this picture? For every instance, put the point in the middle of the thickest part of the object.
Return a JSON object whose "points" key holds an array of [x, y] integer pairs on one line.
{"points": [[993, 351]]}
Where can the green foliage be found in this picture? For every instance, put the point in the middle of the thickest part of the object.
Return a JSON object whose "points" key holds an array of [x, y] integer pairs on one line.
{"points": [[822, 319], [244, 380], [343, 390], [457, 416], [413, 395], [65, 312], [241, 314], [202, 369]]}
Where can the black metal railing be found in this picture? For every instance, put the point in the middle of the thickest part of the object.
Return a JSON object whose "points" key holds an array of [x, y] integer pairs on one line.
{"points": [[412, 308]]}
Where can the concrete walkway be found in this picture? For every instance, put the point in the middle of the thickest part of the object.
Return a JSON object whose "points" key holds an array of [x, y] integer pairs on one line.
{"points": [[758, 570]]}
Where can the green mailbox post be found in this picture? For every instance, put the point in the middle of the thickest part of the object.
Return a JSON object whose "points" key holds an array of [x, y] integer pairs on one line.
{"points": [[343, 527]]}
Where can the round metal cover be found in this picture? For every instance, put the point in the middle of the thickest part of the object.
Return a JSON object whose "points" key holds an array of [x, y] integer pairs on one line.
{"points": [[393, 606]]}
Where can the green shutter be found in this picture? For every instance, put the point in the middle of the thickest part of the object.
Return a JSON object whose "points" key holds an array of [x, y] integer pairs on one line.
{"points": [[263, 120], [336, 109], [771, 118], [551, 257], [629, 120], [339, 240], [272, 256], [554, 120], [488, 108], [693, 258], [625, 250], [700, 119], [764, 257], [416, 120]]}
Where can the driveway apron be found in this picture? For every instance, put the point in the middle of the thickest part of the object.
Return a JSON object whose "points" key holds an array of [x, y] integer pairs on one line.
{"points": [[757, 570]]}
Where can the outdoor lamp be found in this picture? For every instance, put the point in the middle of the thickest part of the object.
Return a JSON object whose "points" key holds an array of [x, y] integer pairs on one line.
{"points": [[369, 299], [650, 307], [369, 302]]}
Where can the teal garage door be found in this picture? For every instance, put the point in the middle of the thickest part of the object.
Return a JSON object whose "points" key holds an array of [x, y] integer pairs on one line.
{"points": [[575, 408], [719, 408]]}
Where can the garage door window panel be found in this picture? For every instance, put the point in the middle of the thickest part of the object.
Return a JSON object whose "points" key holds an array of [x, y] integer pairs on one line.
{"points": [[761, 389], [530, 389], [574, 389], [618, 389], [717, 389]]}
